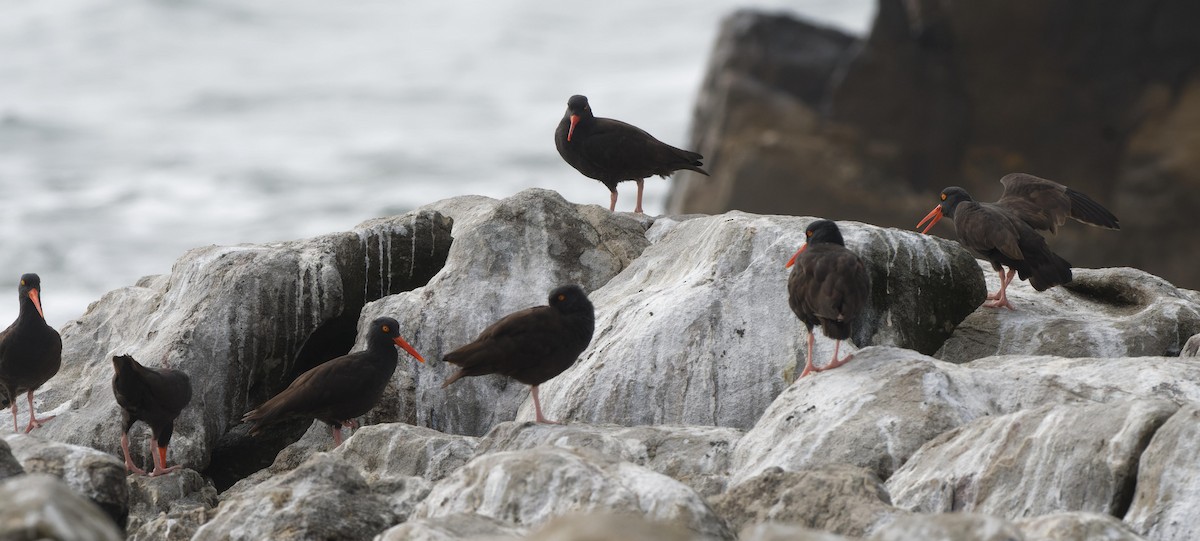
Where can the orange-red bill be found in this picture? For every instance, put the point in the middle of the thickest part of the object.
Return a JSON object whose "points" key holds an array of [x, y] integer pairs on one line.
{"points": [[411, 351], [37, 302], [574, 121], [792, 261], [934, 215]]}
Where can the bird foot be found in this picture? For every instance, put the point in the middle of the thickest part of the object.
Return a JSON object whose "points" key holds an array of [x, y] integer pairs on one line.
{"points": [[130, 467], [37, 423], [999, 303], [352, 424], [162, 471], [993, 296], [834, 364]]}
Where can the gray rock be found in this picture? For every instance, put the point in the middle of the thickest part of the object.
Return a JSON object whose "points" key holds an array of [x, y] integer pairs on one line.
{"points": [[606, 526], [1059, 457], [1102, 313], [839, 499], [949, 527], [507, 255], [878, 410], [1076, 526], [696, 456], [9, 466], [776, 531], [97, 476], [1167, 499], [702, 316], [324, 498], [169, 506], [530, 487], [455, 527], [397, 450], [39, 506], [235, 319], [1192, 347]]}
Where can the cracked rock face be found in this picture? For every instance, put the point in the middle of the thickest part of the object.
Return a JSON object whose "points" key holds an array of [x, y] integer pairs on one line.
{"points": [[1167, 497], [41, 506], [92, 474]]}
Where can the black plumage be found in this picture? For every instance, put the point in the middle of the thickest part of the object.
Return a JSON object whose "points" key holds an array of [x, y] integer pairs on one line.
{"points": [[531, 345], [340, 389], [612, 151], [828, 286], [30, 352], [155, 396]]}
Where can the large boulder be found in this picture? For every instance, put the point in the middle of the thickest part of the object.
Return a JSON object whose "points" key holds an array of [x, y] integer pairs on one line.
{"points": [[236, 319], [507, 255], [1117, 312], [702, 316], [949, 527], [40, 506], [9, 466], [1167, 498], [798, 119], [93, 474], [456, 527], [530, 487], [169, 507], [1076, 526]]}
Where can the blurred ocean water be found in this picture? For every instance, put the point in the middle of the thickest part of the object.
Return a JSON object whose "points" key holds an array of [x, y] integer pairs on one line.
{"points": [[133, 130]]}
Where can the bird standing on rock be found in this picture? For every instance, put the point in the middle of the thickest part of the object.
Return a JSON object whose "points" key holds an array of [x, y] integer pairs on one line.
{"points": [[30, 352], [532, 345], [829, 286], [1005, 232], [341, 389], [154, 396], [612, 151]]}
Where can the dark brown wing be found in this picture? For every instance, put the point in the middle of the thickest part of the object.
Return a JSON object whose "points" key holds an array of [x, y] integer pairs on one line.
{"points": [[984, 227], [1045, 204], [528, 345], [318, 390]]}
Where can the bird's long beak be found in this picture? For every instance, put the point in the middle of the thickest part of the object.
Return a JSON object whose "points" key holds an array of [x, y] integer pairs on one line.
{"points": [[792, 261], [411, 351], [934, 215], [37, 302], [574, 121]]}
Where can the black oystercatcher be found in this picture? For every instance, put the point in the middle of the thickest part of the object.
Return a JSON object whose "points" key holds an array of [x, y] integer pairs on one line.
{"points": [[612, 151], [829, 286], [154, 396], [532, 345], [30, 352], [998, 235], [341, 389]]}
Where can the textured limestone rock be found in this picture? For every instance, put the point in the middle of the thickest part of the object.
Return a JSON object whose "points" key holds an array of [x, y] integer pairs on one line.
{"points": [[1076, 526], [1167, 500], [777, 531], [609, 526], [1192, 347], [97, 476], [9, 466], [693, 455], [1059, 457], [949, 527], [40, 506], [236, 319], [455, 527], [1102, 313], [324, 498], [170, 506], [507, 255], [530, 487], [840, 499], [698, 331]]}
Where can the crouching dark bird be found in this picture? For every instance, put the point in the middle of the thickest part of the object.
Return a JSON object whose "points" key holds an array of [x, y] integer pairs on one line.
{"points": [[612, 151], [532, 345], [340, 389], [30, 352], [154, 396], [829, 286]]}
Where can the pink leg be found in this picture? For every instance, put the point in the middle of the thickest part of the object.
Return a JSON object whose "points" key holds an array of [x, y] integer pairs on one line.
{"points": [[1001, 299], [34, 422], [612, 201], [337, 435], [835, 362], [996, 295], [14, 408], [537, 406], [808, 365], [160, 459], [641, 184], [129, 465]]}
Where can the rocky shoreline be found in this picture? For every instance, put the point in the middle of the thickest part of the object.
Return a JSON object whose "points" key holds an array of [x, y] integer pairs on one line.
{"points": [[1071, 418]]}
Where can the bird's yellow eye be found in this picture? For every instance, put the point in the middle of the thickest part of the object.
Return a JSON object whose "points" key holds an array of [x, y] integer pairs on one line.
{"points": [[22, 282], [808, 234], [385, 329], [561, 297], [943, 197]]}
